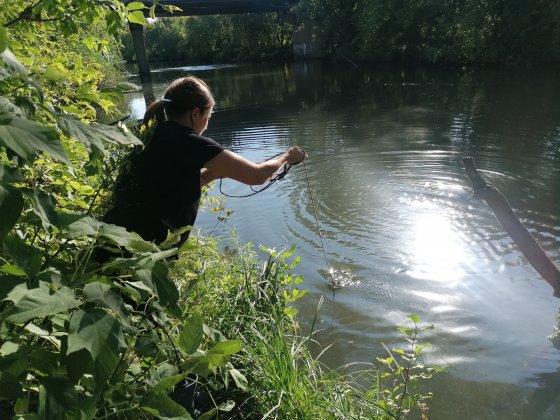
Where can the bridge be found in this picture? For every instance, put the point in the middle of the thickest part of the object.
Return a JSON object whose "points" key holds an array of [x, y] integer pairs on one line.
{"points": [[193, 8], [218, 7]]}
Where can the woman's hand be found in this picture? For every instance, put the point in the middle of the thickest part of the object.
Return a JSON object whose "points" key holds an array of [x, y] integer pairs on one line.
{"points": [[295, 155]]}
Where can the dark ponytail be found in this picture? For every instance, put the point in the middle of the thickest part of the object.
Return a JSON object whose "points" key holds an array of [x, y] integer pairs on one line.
{"points": [[155, 110], [181, 97]]}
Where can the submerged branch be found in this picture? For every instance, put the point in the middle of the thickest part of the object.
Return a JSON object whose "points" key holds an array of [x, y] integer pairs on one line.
{"points": [[515, 229]]}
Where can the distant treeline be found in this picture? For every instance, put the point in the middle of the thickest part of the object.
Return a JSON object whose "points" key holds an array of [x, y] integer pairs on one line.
{"points": [[427, 31], [219, 38]]}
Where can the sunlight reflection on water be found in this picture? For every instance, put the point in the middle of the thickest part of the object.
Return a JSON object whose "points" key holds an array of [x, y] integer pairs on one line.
{"points": [[436, 253]]}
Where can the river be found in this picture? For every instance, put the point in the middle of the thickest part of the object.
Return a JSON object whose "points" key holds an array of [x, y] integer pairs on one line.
{"points": [[395, 209]]}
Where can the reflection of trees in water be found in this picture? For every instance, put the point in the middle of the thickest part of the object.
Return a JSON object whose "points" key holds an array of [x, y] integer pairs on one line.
{"points": [[476, 107], [471, 108]]}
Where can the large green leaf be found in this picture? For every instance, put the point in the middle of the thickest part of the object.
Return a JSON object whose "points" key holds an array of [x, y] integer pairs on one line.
{"points": [[121, 237], [137, 17], [220, 352], [213, 334], [7, 106], [42, 205], [14, 270], [98, 333], [147, 345], [198, 363], [12, 62], [76, 225], [11, 205], [59, 399], [135, 5], [166, 290], [169, 382], [77, 363], [88, 407], [114, 21], [26, 137], [38, 302], [102, 294], [14, 363], [160, 372], [156, 277], [414, 318], [163, 407], [191, 334], [95, 330], [27, 257], [92, 136], [239, 378], [42, 360], [164, 376]]}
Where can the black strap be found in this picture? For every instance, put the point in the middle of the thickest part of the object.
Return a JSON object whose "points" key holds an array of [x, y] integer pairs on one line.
{"points": [[280, 175]]}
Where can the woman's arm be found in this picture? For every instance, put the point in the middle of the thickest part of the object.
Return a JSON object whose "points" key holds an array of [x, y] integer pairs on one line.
{"points": [[228, 164], [206, 177]]}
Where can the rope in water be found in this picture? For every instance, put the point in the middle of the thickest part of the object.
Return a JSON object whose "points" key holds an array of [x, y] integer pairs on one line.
{"points": [[316, 218]]}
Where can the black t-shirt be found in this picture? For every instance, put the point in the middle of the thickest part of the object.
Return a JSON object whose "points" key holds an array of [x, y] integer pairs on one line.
{"points": [[160, 189]]}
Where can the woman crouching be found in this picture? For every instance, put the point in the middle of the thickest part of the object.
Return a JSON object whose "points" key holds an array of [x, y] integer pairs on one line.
{"points": [[161, 188]]}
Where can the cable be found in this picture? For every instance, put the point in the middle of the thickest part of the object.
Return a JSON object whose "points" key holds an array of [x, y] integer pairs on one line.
{"points": [[316, 218], [275, 178]]}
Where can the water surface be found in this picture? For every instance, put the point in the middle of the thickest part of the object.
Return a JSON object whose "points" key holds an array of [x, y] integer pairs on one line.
{"points": [[395, 209]]}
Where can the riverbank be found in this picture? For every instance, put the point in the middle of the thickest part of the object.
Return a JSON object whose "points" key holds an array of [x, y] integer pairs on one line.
{"points": [[280, 373]]}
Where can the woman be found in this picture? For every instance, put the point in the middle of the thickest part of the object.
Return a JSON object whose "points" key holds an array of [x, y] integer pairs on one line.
{"points": [[161, 189]]}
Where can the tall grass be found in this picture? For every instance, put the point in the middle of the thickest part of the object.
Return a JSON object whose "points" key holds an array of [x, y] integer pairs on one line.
{"points": [[250, 301]]}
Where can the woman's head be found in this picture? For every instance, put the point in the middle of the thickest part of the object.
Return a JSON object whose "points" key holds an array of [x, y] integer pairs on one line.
{"points": [[186, 100]]}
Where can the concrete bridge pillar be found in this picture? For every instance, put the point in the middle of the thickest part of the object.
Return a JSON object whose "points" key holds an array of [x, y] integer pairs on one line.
{"points": [[137, 32]]}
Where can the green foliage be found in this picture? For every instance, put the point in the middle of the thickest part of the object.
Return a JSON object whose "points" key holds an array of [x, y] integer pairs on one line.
{"points": [[79, 338], [220, 38], [451, 31], [403, 372]]}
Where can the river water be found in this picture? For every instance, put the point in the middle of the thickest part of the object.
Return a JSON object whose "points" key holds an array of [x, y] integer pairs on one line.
{"points": [[395, 210]]}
